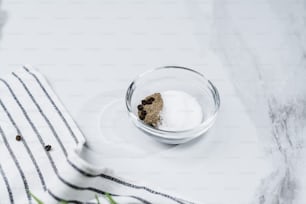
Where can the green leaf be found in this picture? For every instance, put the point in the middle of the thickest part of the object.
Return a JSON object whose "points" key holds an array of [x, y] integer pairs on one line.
{"points": [[36, 199], [98, 201], [110, 199], [63, 202]]}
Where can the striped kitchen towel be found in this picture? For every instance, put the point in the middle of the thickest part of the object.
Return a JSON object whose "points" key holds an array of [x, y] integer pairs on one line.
{"points": [[39, 145]]}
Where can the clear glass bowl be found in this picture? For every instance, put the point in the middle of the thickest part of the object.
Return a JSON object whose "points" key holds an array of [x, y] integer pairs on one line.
{"points": [[174, 78]]}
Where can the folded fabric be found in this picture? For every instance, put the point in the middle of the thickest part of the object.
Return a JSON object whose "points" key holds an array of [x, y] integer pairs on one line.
{"points": [[39, 146]]}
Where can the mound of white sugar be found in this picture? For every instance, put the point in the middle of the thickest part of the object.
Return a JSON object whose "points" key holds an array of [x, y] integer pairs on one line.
{"points": [[181, 111]]}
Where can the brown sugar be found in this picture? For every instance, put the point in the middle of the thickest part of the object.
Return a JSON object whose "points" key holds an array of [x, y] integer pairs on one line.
{"points": [[150, 108]]}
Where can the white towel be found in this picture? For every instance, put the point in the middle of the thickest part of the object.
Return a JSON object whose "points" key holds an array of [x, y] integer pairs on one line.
{"points": [[30, 109]]}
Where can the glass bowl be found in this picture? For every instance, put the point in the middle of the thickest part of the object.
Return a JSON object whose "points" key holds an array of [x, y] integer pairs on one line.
{"points": [[174, 78]]}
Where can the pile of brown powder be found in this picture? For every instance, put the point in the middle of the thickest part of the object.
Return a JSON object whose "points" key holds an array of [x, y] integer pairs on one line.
{"points": [[150, 108]]}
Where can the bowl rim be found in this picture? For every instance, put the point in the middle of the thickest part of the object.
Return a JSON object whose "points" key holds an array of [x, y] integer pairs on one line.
{"points": [[159, 132]]}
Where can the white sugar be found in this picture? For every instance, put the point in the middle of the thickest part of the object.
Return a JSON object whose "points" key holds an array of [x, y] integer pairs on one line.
{"points": [[181, 111]]}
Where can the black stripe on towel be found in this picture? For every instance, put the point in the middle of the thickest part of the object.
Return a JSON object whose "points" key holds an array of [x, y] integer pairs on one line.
{"points": [[26, 146], [116, 180], [48, 154], [24, 180], [8, 187]]}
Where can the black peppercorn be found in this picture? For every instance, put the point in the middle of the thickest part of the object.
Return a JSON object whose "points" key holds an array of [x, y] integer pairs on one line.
{"points": [[48, 148], [140, 107], [18, 138], [142, 117], [149, 102], [151, 99], [143, 112]]}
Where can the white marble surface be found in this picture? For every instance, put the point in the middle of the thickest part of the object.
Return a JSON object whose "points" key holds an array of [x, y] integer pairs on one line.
{"points": [[254, 52]]}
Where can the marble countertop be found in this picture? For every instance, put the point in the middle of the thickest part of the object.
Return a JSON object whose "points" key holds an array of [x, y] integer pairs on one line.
{"points": [[253, 51]]}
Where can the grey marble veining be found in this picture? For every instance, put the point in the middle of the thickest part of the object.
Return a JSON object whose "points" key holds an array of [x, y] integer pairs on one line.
{"points": [[263, 45]]}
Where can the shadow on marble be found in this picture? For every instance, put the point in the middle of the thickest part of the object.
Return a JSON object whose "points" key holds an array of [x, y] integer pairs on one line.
{"points": [[3, 18]]}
